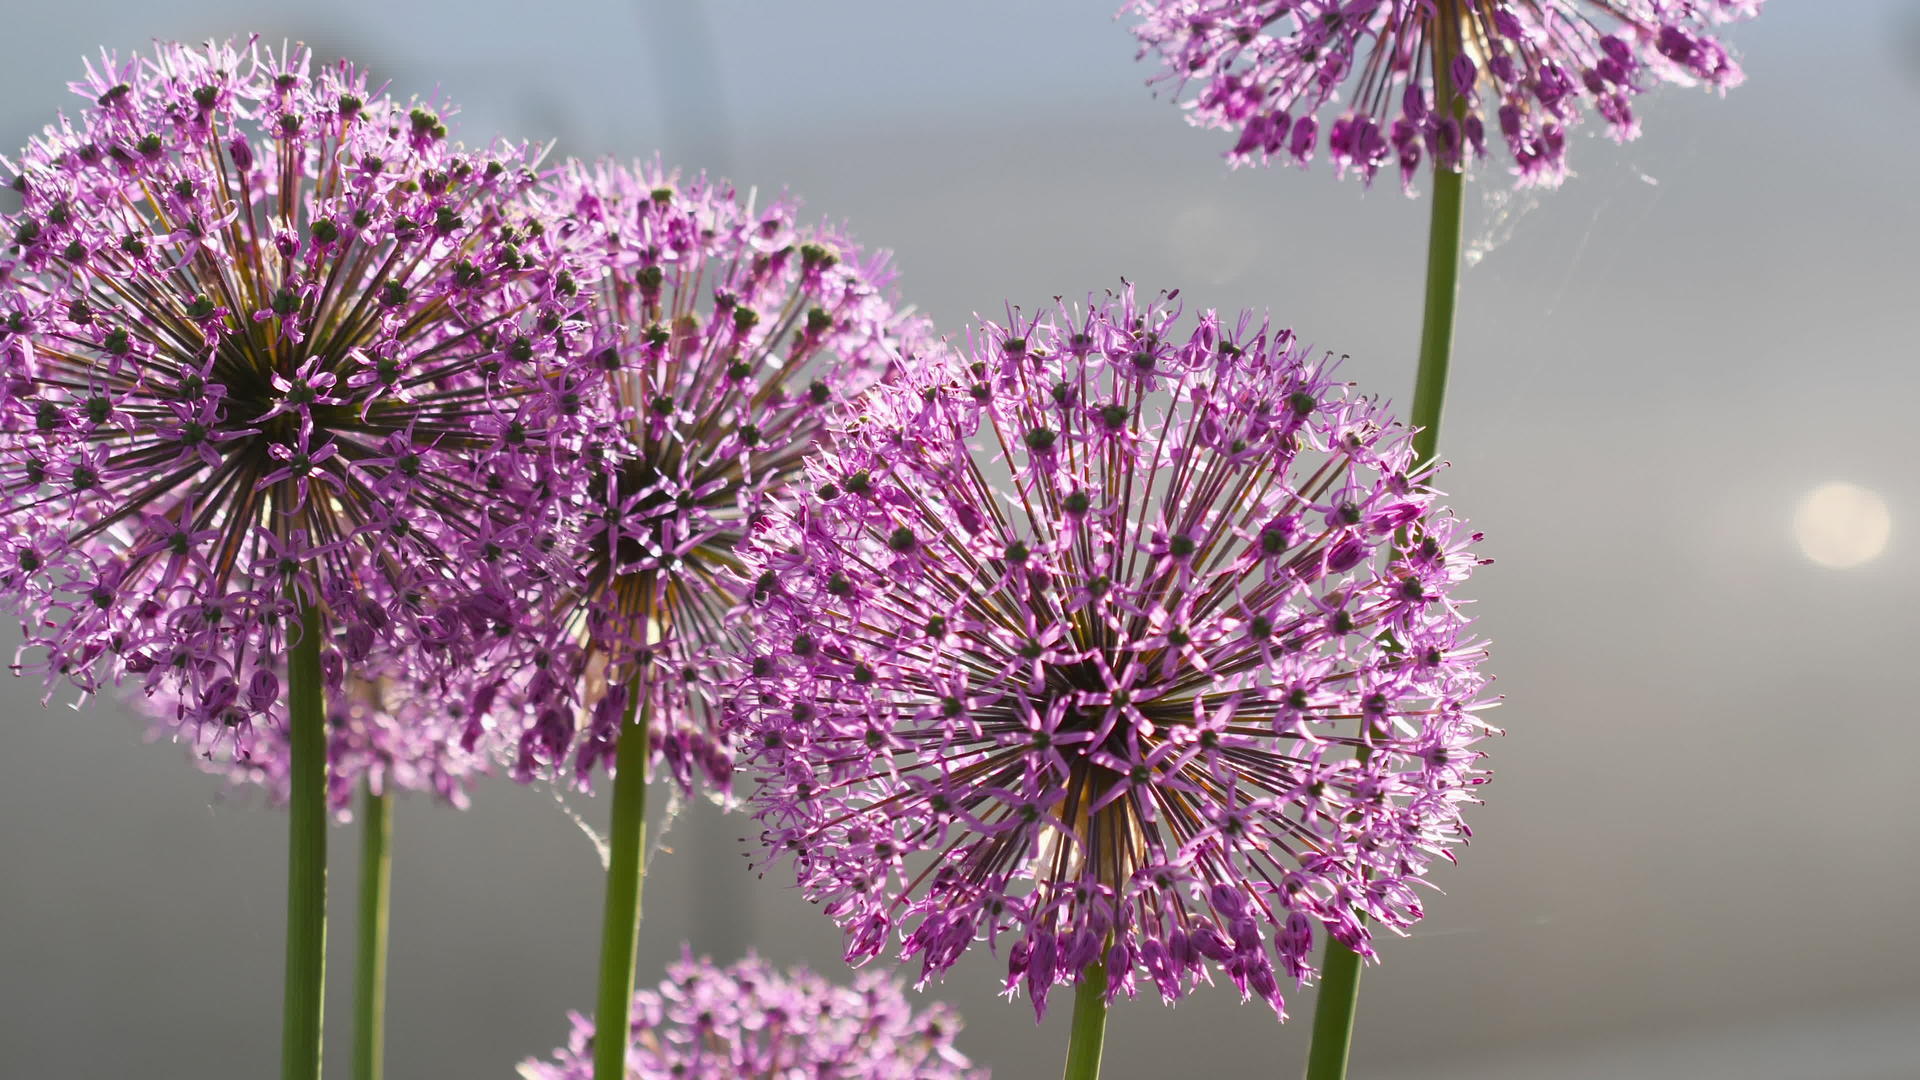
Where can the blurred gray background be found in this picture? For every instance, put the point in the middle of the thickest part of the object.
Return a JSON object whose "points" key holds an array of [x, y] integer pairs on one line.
{"points": [[1700, 855]]}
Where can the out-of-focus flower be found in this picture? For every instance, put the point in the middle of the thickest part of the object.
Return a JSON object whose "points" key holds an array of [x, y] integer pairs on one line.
{"points": [[269, 341], [752, 1020], [722, 334], [1104, 642], [1275, 71], [379, 731]]}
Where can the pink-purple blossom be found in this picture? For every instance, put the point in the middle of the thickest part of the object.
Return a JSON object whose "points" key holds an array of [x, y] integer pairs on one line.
{"points": [[1357, 77], [381, 732], [1104, 639], [722, 332], [270, 341], [750, 1019]]}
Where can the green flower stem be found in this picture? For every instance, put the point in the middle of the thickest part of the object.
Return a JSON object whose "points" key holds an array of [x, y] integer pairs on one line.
{"points": [[1436, 329], [1333, 1011], [376, 887], [1443, 246], [306, 854], [1089, 1024], [626, 870]]}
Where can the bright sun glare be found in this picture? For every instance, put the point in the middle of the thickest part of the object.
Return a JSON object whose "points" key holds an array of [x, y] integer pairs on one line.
{"points": [[1839, 525]]}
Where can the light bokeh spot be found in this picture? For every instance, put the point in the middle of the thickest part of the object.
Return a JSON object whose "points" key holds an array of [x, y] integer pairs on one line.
{"points": [[1208, 244], [1840, 525]]}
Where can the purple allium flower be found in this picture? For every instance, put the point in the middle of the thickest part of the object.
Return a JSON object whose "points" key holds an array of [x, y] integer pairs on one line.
{"points": [[722, 334], [1273, 70], [266, 340], [752, 1020], [378, 730], [1103, 641]]}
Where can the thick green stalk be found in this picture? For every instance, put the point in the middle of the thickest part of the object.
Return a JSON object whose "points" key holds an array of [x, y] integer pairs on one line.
{"points": [[1436, 328], [370, 982], [1333, 1013], [626, 870], [1443, 245], [1089, 1024], [306, 854]]}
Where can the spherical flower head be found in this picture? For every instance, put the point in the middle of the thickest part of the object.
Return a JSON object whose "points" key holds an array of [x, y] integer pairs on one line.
{"points": [[1102, 641], [268, 341], [1396, 82], [380, 733], [723, 333], [752, 1020]]}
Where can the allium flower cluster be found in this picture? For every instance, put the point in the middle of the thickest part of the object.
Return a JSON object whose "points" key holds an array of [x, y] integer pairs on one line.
{"points": [[722, 334], [380, 731], [268, 342], [1273, 70], [751, 1020], [1104, 641]]}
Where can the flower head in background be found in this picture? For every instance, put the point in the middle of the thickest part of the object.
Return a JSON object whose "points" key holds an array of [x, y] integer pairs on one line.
{"points": [[379, 731], [1104, 641], [268, 340], [752, 1020], [722, 334], [1275, 71]]}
